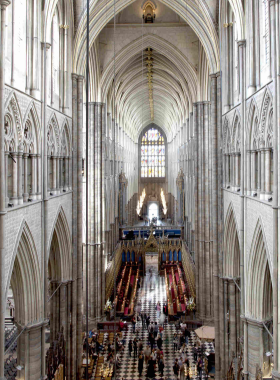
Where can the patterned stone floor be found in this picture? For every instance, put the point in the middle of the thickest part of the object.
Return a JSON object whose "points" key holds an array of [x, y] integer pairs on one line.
{"points": [[152, 291]]}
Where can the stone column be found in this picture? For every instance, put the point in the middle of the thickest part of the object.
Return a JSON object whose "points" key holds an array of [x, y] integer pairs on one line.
{"points": [[25, 194], [54, 176], [248, 172], [33, 177], [19, 190], [207, 181], [226, 353], [6, 176], [232, 316], [66, 174], [58, 175], [75, 347], [245, 369], [252, 63], [80, 80], [259, 170], [253, 170], [3, 4], [61, 180], [231, 169], [267, 171], [14, 197], [237, 169], [48, 173], [262, 152], [39, 179]]}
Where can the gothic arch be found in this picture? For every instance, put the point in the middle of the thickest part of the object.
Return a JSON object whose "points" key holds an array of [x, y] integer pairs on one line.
{"points": [[24, 278], [53, 135], [32, 115], [253, 114], [259, 295], [231, 245], [12, 108], [65, 139], [60, 249]]}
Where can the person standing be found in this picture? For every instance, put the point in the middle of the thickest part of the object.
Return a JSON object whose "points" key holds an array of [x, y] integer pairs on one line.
{"points": [[140, 363]]}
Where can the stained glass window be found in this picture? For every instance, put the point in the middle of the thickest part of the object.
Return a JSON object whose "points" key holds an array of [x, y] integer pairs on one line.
{"points": [[152, 154]]}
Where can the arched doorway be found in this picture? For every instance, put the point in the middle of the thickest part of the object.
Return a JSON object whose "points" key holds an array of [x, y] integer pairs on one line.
{"points": [[153, 210], [26, 288], [259, 302], [60, 285], [232, 307]]}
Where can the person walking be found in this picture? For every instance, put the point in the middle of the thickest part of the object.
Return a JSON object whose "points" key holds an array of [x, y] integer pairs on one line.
{"points": [[155, 330], [176, 369], [130, 347], [159, 342], [161, 365], [140, 363], [135, 348], [175, 342], [133, 321], [147, 353], [199, 367], [148, 322], [195, 354], [158, 309]]}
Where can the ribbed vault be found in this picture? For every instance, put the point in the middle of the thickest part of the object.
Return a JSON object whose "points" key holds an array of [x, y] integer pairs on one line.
{"points": [[174, 85], [195, 13]]}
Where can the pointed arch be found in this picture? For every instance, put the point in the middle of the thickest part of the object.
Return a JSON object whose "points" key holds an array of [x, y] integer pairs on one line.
{"points": [[53, 135], [231, 245], [266, 105], [60, 249], [12, 107], [236, 131], [32, 115], [259, 295], [24, 277], [253, 114], [65, 134]]}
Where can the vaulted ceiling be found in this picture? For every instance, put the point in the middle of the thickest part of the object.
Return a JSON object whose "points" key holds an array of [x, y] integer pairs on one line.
{"points": [[183, 49]]}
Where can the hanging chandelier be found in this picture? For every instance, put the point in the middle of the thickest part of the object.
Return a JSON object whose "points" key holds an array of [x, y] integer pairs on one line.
{"points": [[163, 202], [140, 202]]}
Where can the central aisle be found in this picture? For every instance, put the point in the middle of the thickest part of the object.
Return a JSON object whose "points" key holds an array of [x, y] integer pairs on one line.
{"points": [[151, 291]]}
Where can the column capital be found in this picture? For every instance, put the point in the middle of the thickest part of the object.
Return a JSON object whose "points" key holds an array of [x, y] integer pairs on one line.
{"points": [[80, 78], [74, 76], [4, 3], [213, 76], [46, 45], [32, 155], [241, 43]]}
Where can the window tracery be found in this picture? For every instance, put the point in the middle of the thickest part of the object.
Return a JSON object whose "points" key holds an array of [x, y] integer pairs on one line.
{"points": [[153, 154]]}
